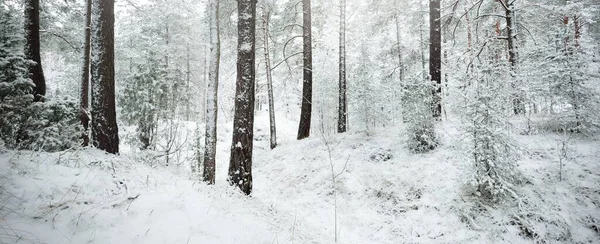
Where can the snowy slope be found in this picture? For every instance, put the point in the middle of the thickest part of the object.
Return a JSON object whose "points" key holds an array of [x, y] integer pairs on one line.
{"points": [[384, 194]]}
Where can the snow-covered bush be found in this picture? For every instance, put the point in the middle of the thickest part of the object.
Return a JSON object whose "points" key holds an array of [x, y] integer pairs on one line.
{"points": [[417, 99], [52, 126], [141, 101], [48, 126], [562, 75], [493, 151], [576, 85]]}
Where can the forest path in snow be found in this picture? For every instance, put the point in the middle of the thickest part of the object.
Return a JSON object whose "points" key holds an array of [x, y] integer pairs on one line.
{"points": [[383, 194]]}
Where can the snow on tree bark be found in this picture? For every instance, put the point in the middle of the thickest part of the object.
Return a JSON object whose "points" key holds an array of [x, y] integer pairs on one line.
{"points": [[306, 111], [509, 8], [343, 105], [240, 164], [272, 127], [32, 48], [401, 66], [105, 134], [85, 75], [435, 56], [212, 94]]}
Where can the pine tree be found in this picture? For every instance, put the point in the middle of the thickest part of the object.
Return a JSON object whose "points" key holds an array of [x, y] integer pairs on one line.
{"points": [[266, 16], [212, 94], [240, 165], [105, 133], [342, 103], [32, 48], [140, 103], [511, 42], [435, 55], [306, 111], [15, 85], [417, 100], [494, 154], [85, 75]]}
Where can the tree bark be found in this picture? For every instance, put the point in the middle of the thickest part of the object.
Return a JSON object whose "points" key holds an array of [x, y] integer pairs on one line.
{"points": [[577, 26], [400, 65], [273, 128], [518, 103], [240, 165], [306, 111], [399, 46], [32, 48], [105, 133], [343, 105], [212, 88], [421, 42], [188, 74], [85, 75], [435, 56]]}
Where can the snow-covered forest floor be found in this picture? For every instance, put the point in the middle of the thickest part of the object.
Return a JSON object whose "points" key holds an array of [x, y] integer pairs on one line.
{"points": [[383, 193]]}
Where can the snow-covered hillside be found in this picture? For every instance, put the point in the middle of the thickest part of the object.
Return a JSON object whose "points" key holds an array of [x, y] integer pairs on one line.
{"points": [[383, 194]]}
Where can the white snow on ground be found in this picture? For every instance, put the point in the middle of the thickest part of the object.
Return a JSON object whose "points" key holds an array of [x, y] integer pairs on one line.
{"points": [[384, 194]]}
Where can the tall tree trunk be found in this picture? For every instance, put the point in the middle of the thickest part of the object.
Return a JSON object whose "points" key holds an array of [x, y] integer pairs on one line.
{"points": [[400, 63], [105, 133], [212, 108], [306, 111], [518, 103], [469, 32], [212, 88], [188, 72], [399, 46], [240, 165], [265, 18], [435, 55], [343, 105], [32, 48], [510, 28], [85, 76], [575, 100], [421, 42]]}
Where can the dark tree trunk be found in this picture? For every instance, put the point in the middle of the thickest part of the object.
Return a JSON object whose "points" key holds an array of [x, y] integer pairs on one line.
{"points": [[518, 103], [306, 111], [32, 48], [85, 76], [105, 133], [210, 140], [240, 165], [577, 25], [435, 55], [343, 105], [512, 52]]}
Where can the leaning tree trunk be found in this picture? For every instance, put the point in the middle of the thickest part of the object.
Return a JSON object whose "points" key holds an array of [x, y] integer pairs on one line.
{"points": [[32, 48], [212, 88], [435, 56], [240, 164], [105, 133], [306, 111], [85, 76], [273, 130], [343, 105]]}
